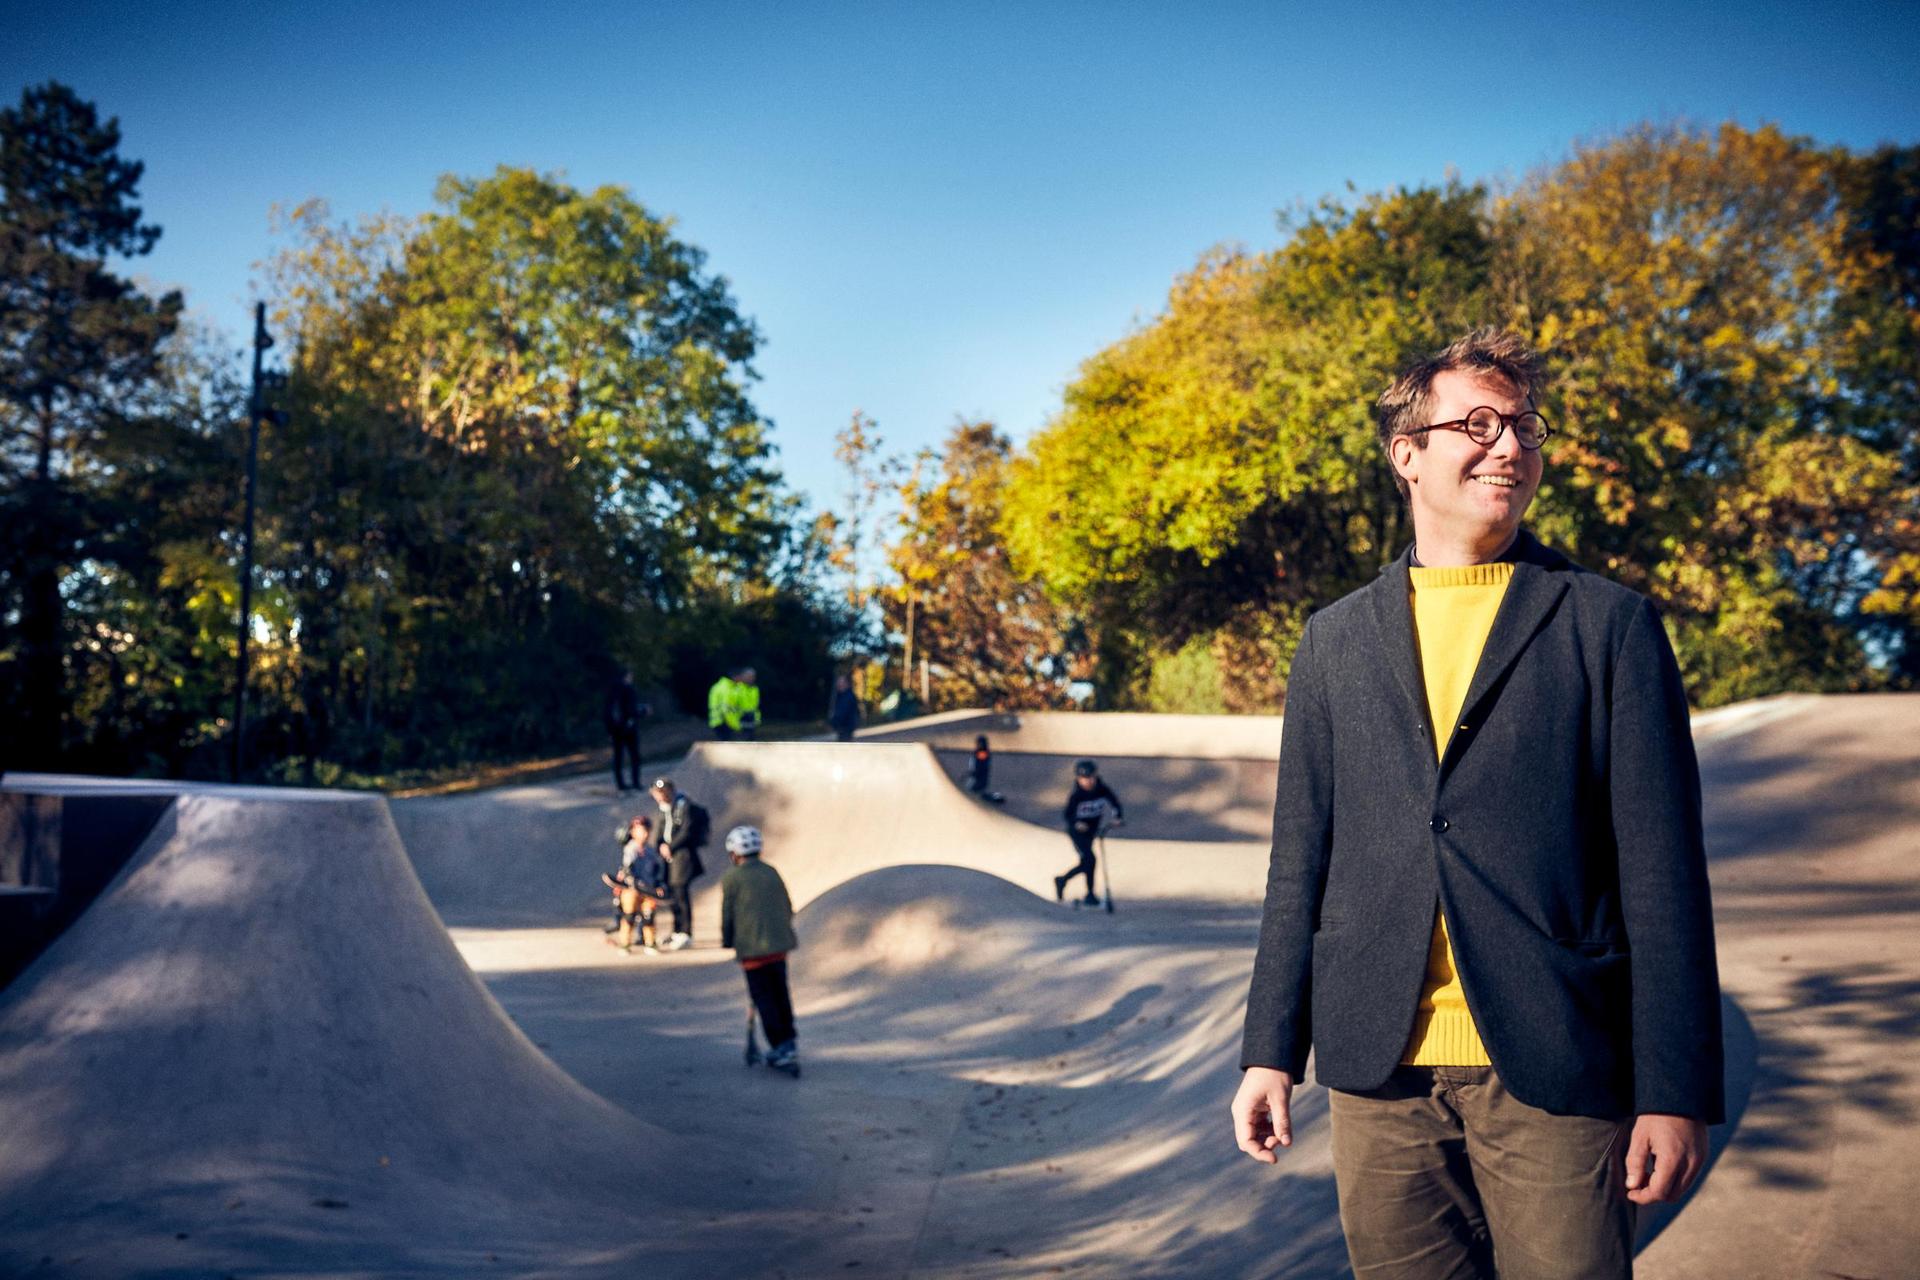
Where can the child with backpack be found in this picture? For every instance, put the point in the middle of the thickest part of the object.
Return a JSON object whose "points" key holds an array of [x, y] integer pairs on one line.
{"points": [[756, 920]]}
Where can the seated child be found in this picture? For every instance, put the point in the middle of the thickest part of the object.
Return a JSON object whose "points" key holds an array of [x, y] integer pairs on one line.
{"points": [[638, 886]]}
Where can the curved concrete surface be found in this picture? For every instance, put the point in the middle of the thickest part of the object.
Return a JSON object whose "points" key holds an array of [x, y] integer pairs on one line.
{"points": [[1813, 827], [829, 811], [1103, 733], [1187, 798], [259, 1046], [994, 1085]]}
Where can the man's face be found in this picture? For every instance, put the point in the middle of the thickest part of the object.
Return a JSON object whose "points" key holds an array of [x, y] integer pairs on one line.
{"points": [[662, 798], [1085, 780], [1459, 489]]}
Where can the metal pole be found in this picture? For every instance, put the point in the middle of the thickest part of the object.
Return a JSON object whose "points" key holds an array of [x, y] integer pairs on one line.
{"points": [[261, 341]]}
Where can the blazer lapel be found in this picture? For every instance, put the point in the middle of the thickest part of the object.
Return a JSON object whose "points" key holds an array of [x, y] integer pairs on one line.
{"points": [[1528, 603], [1393, 613]]}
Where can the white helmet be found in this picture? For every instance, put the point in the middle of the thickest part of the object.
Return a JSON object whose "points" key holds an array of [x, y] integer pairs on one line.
{"points": [[744, 841]]}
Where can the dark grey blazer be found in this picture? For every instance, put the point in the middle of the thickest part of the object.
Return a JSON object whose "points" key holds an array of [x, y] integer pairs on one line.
{"points": [[1561, 832]]}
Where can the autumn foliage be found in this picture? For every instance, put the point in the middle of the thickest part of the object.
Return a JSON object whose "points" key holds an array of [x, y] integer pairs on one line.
{"points": [[1730, 320]]}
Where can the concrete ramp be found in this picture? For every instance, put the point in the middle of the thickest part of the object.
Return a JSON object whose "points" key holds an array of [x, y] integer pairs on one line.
{"points": [[260, 1051], [833, 811], [1093, 733]]}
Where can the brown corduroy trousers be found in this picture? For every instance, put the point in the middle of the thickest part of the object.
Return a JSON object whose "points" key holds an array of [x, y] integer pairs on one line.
{"points": [[1444, 1175]]}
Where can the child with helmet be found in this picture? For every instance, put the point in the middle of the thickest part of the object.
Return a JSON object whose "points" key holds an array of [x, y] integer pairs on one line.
{"points": [[756, 920], [1091, 807]]}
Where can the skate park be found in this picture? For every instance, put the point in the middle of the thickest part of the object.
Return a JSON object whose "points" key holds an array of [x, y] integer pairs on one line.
{"points": [[319, 1033]]}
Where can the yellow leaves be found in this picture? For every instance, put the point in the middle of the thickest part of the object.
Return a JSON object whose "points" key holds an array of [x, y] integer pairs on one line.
{"points": [[1725, 337]]}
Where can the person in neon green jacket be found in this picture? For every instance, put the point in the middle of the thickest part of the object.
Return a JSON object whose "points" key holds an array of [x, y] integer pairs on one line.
{"points": [[733, 705]]}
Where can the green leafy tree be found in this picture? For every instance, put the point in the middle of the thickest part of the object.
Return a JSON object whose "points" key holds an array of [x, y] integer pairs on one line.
{"points": [[1214, 475], [152, 610], [522, 454], [80, 354], [1730, 325]]}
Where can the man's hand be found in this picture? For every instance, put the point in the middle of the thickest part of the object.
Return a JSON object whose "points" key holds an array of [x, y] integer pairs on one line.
{"points": [[666, 851], [1261, 1116], [1664, 1155]]}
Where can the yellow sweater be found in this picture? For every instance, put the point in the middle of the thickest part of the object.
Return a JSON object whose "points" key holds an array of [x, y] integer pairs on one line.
{"points": [[1453, 611]]}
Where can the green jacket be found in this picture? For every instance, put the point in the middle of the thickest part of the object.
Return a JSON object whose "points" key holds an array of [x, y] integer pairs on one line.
{"points": [[732, 703], [756, 915]]}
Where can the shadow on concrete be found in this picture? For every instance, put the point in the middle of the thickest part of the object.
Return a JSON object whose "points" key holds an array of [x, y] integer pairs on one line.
{"points": [[1823, 792]]}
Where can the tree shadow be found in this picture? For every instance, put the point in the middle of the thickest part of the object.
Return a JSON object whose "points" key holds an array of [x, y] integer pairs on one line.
{"points": [[1094, 1143]]}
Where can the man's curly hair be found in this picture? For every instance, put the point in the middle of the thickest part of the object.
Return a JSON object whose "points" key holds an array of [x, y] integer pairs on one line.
{"points": [[1496, 353]]}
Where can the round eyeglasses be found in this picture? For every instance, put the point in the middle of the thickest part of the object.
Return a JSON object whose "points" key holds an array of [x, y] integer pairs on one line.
{"points": [[1484, 425]]}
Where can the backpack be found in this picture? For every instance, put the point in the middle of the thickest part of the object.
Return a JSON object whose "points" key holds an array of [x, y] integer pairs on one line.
{"points": [[699, 824]]}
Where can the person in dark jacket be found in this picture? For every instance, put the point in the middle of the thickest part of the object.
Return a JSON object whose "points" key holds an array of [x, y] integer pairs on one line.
{"points": [[1091, 808], [682, 834], [1486, 911], [756, 920], [843, 717], [980, 772], [624, 711]]}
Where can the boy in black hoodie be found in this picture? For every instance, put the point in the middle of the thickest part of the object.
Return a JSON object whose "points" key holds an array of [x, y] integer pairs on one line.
{"points": [[1086, 813]]}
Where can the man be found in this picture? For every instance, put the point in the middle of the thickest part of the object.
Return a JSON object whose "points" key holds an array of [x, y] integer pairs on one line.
{"points": [[623, 713], [1487, 909], [683, 831], [733, 705]]}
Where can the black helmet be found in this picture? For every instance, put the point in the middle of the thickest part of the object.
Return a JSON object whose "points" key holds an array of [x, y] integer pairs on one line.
{"points": [[1085, 769]]}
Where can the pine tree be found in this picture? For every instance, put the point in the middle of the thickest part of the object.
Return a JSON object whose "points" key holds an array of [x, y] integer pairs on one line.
{"points": [[79, 346]]}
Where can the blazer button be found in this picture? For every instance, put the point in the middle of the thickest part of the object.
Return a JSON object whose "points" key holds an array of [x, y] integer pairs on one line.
{"points": [[1438, 823]]}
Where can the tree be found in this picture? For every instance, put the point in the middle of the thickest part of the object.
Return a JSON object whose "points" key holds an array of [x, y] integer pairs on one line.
{"points": [[992, 637], [1214, 475], [80, 355], [848, 532], [522, 451], [1730, 326], [1726, 443], [1878, 319]]}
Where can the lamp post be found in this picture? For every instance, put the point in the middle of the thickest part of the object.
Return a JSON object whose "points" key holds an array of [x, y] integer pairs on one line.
{"points": [[257, 409]]}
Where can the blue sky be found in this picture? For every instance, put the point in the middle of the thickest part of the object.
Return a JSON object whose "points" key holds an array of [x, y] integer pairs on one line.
{"points": [[929, 210]]}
